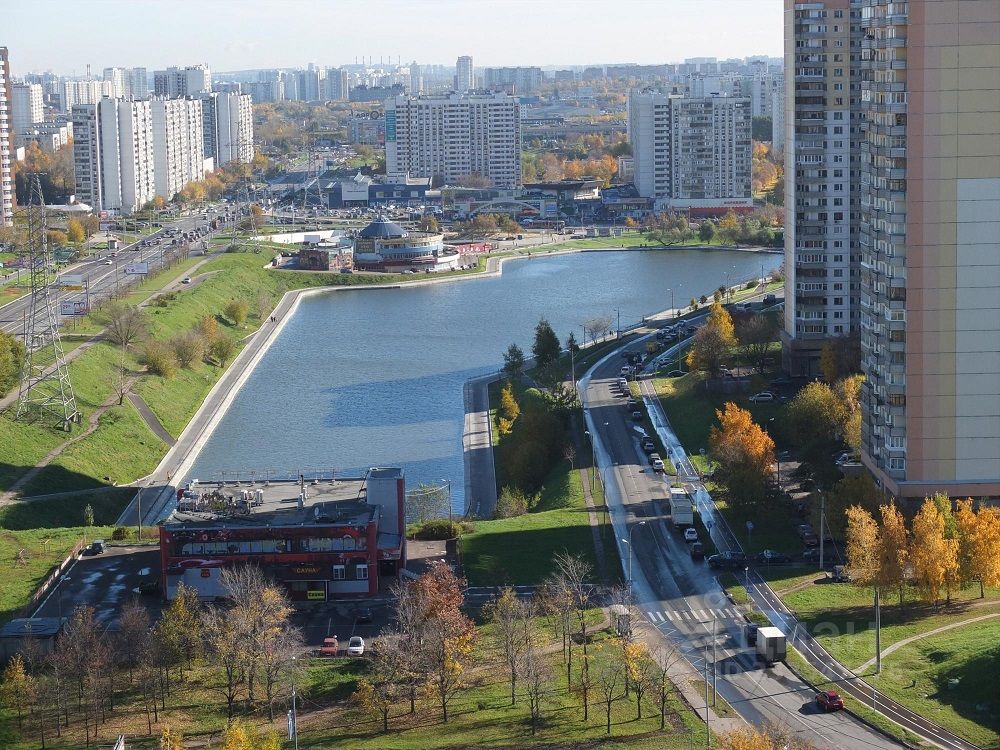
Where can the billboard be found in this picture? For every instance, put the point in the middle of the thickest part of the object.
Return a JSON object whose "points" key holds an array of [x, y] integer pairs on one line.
{"points": [[106, 226], [71, 282], [138, 267], [73, 307]]}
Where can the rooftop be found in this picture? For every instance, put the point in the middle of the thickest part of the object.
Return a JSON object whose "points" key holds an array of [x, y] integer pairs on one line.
{"points": [[382, 228]]}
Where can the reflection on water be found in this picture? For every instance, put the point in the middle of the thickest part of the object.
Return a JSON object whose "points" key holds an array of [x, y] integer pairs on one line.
{"points": [[364, 378]]}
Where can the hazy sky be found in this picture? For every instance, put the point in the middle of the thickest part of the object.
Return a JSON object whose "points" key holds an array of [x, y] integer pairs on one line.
{"points": [[66, 35]]}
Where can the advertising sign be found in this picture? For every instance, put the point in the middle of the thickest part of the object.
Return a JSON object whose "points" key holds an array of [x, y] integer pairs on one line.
{"points": [[71, 282], [73, 307], [138, 267], [105, 226]]}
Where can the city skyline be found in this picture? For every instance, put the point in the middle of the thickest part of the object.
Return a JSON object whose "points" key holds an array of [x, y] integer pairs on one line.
{"points": [[385, 29]]}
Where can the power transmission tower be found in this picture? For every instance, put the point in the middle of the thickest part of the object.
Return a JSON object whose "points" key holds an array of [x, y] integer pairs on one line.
{"points": [[45, 384], [244, 202], [311, 194]]}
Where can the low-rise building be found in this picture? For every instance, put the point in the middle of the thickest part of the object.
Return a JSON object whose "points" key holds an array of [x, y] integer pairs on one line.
{"points": [[385, 246], [322, 539]]}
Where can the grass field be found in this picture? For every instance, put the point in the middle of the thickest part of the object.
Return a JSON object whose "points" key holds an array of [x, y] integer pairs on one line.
{"points": [[479, 716], [67, 510]]}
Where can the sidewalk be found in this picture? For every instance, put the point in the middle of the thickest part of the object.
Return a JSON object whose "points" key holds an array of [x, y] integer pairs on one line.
{"points": [[477, 447]]}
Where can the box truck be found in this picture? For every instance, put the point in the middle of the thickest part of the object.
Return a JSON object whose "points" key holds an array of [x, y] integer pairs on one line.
{"points": [[771, 646], [681, 508]]}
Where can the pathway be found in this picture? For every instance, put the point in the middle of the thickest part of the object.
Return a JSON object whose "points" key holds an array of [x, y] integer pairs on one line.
{"points": [[595, 525], [151, 419], [906, 641], [477, 447]]}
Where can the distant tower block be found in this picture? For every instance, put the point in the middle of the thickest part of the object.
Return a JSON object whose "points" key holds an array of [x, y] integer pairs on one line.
{"points": [[45, 388]]}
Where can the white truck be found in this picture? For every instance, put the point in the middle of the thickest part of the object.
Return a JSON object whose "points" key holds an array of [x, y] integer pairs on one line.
{"points": [[681, 508], [771, 646]]}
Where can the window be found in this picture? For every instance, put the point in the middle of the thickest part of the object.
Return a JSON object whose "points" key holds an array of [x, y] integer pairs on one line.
{"points": [[339, 573], [361, 572]]}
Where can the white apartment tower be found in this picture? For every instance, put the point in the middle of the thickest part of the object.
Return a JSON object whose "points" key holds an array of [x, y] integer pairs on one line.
{"points": [[6, 144], [455, 135], [465, 74], [691, 153], [416, 80], [189, 81], [26, 108], [178, 144], [113, 154], [228, 127]]}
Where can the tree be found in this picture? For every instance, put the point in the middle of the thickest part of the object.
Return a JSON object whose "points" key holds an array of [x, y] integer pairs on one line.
{"points": [[507, 615], [863, 545], [574, 575], [222, 349], [188, 348], [171, 740], [658, 678], [16, 687], [88, 515], [159, 359], [840, 357], [377, 691], [509, 407], [124, 324], [75, 232], [932, 555], [858, 489], [608, 680], [893, 550], [713, 341], [546, 348], [12, 353], [133, 637], [429, 223], [979, 544], [596, 327], [208, 328], [755, 335], [511, 503], [706, 231], [744, 452], [634, 658], [536, 671], [225, 650], [815, 419], [513, 362], [571, 344], [236, 311], [57, 237]]}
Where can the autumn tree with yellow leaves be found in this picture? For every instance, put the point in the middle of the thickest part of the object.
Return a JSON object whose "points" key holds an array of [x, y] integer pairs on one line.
{"points": [[933, 556], [978, 544], [713, 342], [744, 452], [863, 546], [893, 550]]}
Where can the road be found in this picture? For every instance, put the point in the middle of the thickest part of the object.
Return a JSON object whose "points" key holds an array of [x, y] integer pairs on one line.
{"points": [[101, 278], [680, 597]]}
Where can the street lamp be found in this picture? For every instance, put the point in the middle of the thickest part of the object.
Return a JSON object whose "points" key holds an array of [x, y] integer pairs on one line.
{"points": [[618, 330], [628, 543]]}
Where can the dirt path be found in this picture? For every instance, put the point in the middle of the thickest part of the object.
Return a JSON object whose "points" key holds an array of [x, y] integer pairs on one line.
{"points": [[906, 641], [150, 419]]}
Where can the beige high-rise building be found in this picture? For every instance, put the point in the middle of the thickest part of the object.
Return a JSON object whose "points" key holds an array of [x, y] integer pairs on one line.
{"points": [[6, 144], [924, 223], [178, 144]]}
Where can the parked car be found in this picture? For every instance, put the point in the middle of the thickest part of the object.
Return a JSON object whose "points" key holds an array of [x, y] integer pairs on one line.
{"points": [[762, 397], [727, 561], [829, 700], [654, 457], [831, 557], [658, 464], [648, 445], [356, 646], [186, 280], [770, 557], [637, 415], [697, 551], [97, 547], [364, 615], [690, 534]]}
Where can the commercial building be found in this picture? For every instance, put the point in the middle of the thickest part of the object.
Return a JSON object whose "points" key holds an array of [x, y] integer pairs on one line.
{"points": [[322, 539], [187, 81], [227, 127], [113, 154], [822, 132], [178, 144], [518, 80], [691, 154], [455, 135], [6, 143], [26, 107], [465, 74], [385, 246]]}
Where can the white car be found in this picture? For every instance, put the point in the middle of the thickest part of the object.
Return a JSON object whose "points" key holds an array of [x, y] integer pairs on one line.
{"points": [[690, 535], [356, 646], [761, 397], [186, 280]]}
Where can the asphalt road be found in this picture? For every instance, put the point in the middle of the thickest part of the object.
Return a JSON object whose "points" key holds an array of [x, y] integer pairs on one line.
{"points": [[682, 598]]}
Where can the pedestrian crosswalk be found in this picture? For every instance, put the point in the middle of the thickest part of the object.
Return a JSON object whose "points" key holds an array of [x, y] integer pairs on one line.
{"points": [[693, 616]]}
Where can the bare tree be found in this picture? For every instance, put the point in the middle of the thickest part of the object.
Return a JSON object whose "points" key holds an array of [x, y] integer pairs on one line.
{"points": [[278, 664], [657, 676], [597, 327], [609, 679], [124, 324], [507, 614], [225, 649], [557, 599], [575, 573], [536, 674], [133, 637], [585, 684]]}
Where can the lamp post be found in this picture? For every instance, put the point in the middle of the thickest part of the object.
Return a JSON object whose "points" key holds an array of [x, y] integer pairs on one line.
{"points": [[628, 543], [618, 330]]}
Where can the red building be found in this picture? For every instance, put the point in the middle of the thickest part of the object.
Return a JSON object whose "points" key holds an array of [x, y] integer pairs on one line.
{"points": [[322, 539]]}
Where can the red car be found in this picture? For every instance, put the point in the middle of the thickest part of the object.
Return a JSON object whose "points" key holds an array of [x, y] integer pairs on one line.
{"points": [[829, 700]]}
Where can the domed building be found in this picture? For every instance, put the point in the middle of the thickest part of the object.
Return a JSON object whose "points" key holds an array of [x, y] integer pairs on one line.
{"points": [[385, 246]]}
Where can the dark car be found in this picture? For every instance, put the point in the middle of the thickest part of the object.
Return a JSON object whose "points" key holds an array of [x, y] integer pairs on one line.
{"points": [[697, 550], [364, 615], [750, 633], [97, 547], [830, 557], [728, 561], [770, 557], [829, 700]]}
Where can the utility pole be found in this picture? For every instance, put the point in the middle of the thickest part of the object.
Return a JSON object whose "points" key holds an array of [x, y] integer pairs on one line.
{"points": [[822, 516], [715, 669], [878, 634], [708, 728]]}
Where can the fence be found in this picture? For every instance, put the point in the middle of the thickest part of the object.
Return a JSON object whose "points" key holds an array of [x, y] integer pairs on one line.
{"points": [[49, 581]]}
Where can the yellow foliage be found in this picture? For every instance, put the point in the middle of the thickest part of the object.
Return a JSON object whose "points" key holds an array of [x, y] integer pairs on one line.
{"points": [[934, 558], [745, 738], [863, 543]]}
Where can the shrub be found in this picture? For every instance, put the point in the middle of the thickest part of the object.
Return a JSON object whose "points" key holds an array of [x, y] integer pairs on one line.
{"points": [[512, 502], [222, 349], [188, 348], [438, 529], [236, 311], [159, 359]]}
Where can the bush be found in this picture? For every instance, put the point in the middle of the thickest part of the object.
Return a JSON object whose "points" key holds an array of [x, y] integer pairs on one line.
{"points": [[121, 533], [236, 311], [188, 348], [512, 502], [438, 529], [159, 359]]}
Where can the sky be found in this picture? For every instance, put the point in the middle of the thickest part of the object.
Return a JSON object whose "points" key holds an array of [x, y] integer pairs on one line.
{"points": [[66, 35]]}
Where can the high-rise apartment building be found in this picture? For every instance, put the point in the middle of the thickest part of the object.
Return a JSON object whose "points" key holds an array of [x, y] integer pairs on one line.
{"points": [[187, 81], [26, 108], [83, 92], [228, 127], [822, 132], [338, 86], [925, 224], [691, 153], [6, 143], [113, 154], [519, 80], [465, 74], [178, 144], [416, 80], [455, 135]]}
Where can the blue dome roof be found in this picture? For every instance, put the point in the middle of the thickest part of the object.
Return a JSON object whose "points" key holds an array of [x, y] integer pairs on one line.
{"points": [[382, 228]]}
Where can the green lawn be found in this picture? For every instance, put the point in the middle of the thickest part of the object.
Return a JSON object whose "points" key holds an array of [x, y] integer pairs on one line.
{"points": [[44, 549], [67, 510]]}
